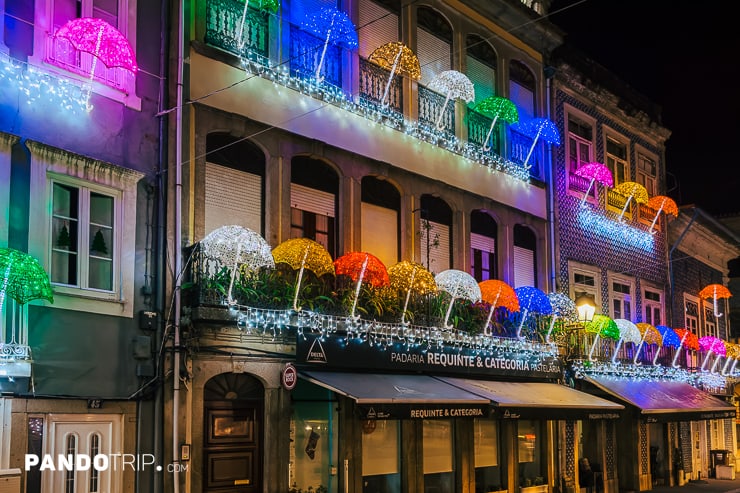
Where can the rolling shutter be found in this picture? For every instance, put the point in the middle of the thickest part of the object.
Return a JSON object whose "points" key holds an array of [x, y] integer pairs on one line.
{"points": [[232, 197], [433, 54], [523, 267], [311, 200], [377, 26], [380, 232]]}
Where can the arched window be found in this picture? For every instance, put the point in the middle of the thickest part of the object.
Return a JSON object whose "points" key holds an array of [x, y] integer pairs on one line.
{"points": [[481, 70], [522, 85], [433, 43], [435, 234], [483, 234], [234, 187], [380, 219], [313, 202], [525, 257]]}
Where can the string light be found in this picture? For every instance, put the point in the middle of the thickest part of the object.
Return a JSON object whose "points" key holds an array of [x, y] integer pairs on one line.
{"points": [[591, 220]]}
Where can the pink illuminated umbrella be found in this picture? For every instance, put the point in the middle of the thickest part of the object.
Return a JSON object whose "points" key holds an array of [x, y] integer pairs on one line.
{"points": [[361, 266], [687, 339], [715, 291], [633, 191], [497, 293], [597, 173], [661, 203], [711, 344], [100, 39]]}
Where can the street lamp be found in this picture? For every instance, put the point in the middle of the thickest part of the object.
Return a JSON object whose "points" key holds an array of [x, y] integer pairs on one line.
{"points": [[586, 306]]}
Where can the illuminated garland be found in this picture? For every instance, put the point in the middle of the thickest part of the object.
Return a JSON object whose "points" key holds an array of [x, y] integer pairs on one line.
{"points": [[40, 87], [603, 226], [705, 379], [333, 95]]}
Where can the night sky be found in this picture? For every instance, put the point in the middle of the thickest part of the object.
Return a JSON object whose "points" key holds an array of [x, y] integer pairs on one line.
{"points": [[685, 57]]}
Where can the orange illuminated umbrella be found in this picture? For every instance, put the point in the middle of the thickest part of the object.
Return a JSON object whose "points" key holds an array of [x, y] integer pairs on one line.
{"points": [[715, 291], [650, 334], [661, 203], [360, 266], [497, 293]]}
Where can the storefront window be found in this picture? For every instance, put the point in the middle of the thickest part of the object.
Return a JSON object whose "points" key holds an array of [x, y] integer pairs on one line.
{"points": [[532, 469], [313, 439], [487, 471], [381, 471], [439, 474]]}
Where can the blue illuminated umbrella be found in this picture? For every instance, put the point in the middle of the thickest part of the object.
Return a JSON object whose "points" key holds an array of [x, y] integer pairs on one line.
{"points": [[670, 339], [335, 27], [533, 300], [538, 128]]}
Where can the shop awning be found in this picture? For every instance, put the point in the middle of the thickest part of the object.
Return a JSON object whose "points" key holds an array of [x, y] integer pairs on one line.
{"points": [[538, 400], [664, 401], [394, 396]]}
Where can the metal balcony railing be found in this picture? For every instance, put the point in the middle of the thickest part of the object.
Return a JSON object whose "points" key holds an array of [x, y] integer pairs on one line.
{"points": [[430, 105], [373, 83], [224, 23], [478, 127]]}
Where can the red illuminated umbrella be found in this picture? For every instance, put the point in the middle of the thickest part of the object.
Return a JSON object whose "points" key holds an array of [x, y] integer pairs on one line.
{"points": [[688, 340], [661, 203], [715, 291], [497, 293], [597, 173], [361, 266]]}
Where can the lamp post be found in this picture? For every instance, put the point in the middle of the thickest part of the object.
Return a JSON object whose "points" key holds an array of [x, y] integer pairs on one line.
{"points": [[586, 307]]}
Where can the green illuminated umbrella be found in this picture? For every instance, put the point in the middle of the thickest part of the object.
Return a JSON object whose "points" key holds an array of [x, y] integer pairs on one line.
{"points": [[22, 278], [497, 107], [601, 325]]}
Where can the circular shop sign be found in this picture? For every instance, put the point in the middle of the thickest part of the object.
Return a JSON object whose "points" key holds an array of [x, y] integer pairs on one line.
{"points": [[289, 376]]}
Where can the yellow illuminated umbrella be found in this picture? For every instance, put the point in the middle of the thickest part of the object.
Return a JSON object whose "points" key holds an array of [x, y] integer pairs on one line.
{"points": [[303, 253]]}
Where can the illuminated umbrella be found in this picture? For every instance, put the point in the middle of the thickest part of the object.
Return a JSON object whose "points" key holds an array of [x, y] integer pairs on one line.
{"points": [[361, 266], [628, 332], [23, 278], [597, 173], [458, 284], [497, 107], [562, 307], [454, 85], [100, 39], [715, 291], [336, 26], [661, 203], [711, 344], [688, 340], [235, 245], [397, 58], [631, 190], [601, 325], [408, 276], [264, 5], [533, 300], [497, 293], [732, 353], [669, 338], [535, 129], [650, 335], [303, 253]]}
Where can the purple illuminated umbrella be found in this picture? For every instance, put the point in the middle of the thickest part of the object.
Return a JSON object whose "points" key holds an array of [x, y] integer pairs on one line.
{"points": [[100, 39], [497, 107], [335, 27], [711, 344], [597, 173], [628, 332], [533, 300], [538, 128]]}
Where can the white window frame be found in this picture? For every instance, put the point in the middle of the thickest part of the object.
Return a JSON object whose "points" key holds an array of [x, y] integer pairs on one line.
{"points": [[569, 111], [622, 297], [48, 163], [585, 270], [709, 325], [695, 327], [652, 304], [610, 134], [649, 182], [43, 30]]}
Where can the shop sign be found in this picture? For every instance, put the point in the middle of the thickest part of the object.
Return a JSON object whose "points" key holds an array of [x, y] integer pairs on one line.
{"points": [[429, 411], [289, 376]]}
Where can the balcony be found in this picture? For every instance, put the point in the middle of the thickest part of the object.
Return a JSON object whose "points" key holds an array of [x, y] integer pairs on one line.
{"points": [[371, 101]]}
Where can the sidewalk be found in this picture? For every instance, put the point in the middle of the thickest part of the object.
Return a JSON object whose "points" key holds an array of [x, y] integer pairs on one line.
{"points": [[702, 486]]}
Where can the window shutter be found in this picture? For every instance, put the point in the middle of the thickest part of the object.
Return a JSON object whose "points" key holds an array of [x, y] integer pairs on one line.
{"points": [[433, 54], [232, 197], [311, 200], [483, 78], [482, 243], [523, 267], [377, 26], [380, 232], [438, 256]]}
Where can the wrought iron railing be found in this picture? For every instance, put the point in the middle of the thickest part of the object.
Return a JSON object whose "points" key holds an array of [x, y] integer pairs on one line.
{"points": [[224, 28], [307, 53], [520, 152], [61, 53], [373, 83], [430, 105], [615, 201], [478, 128]]}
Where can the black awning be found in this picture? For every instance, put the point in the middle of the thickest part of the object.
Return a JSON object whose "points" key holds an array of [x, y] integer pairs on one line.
{"points": [[662, 401], [394, 396], [538, 400]]}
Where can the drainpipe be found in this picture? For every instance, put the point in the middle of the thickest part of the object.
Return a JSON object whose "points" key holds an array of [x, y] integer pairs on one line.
{"points": [[551, 190], [178, 254]]}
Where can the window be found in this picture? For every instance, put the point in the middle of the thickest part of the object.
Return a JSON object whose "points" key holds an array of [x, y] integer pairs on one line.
{"points": [[522, 85], [483, 232], [652, 302], [616, 160], [710, 321], [531, 451], [83, 233], [381, 471], [433, 43], [380, 220], [622, 298], [439, 466], [585, 279], [313, 194], [435, 234], [488, 472], [480, 65], [86, 239], [50, 15], [525, 257], [579, 144], [646, 173], [691, 314]]}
